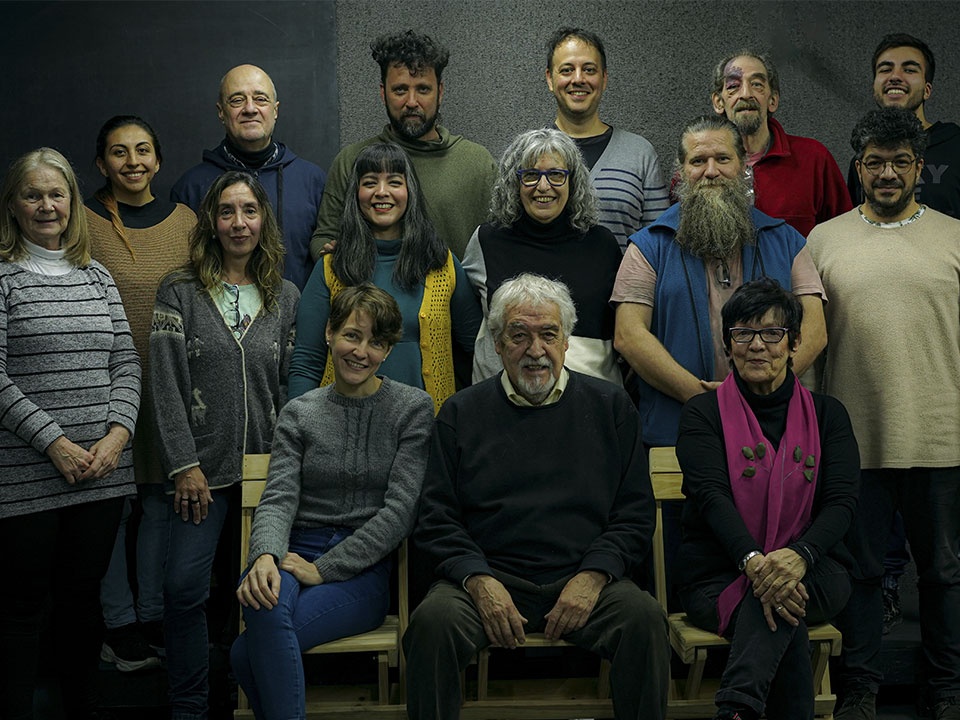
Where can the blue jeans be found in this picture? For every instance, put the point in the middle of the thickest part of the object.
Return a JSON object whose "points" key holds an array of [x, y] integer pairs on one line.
{"points": [[266, 658], [929, 501], [185, 590], [152, 538]]}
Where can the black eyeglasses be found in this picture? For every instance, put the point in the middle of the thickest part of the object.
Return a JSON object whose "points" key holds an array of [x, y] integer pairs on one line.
{"points": [[531, 176], [770, 335], [875, 166]]}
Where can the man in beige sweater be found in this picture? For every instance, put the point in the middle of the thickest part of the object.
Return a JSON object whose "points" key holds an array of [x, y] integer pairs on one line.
{"points": [[891, 268]]}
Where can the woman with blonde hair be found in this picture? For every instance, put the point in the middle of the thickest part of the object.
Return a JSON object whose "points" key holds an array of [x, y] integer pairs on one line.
{"points": [[69, 396], [219, 350]]}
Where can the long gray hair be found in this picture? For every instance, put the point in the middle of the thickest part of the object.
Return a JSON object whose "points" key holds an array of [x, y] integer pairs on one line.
{"points": [[524, 152]]}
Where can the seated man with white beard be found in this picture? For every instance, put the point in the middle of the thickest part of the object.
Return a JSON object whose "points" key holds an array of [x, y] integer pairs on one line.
{"points": [[679, 271]]}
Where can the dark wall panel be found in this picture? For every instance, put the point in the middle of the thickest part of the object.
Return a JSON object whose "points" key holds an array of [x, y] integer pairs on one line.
{"points": [[661, 56], [69, 66]]}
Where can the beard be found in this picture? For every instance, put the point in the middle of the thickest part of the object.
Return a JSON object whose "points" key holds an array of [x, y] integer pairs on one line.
{"points": [[535, 390], [715, 217], [889, 208], [413, 125], [747, 124]]}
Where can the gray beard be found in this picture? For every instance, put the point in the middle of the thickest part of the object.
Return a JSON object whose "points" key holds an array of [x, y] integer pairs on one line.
{"points": [[715, 217]]}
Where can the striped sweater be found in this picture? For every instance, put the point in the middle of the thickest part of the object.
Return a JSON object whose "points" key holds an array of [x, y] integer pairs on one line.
{"points": [[67, 367]]}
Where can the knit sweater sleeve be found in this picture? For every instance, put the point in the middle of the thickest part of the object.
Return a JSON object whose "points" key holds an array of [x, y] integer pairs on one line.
{"points": [[289, 307], [170, 378], [21, 415], [440, 532], [413, 420], [124, 363], [465, 315], [309, 356]]}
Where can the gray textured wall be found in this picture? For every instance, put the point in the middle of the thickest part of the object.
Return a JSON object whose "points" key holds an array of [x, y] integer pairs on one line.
{"points": [[660, 57]]}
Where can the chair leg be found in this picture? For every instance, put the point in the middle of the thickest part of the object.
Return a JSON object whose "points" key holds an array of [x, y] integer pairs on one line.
{"points": [[603, 682], [383, 674], [483, 673], [695, 676]]}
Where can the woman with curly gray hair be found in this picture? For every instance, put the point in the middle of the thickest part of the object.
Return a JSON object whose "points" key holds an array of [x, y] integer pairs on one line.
{"points": [[543, 214]]}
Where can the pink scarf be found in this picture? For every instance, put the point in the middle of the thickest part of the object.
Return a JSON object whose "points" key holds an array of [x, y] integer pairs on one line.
{"points": [[772, 492]]}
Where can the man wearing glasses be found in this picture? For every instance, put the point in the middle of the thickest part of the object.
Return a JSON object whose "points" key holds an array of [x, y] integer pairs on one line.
{"points": [[892, 268], [679, 271], [903, 68], [794, 178], [624, 167], [247, 107]]}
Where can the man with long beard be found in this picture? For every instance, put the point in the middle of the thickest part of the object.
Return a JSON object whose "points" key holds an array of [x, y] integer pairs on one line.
{"points": [[794, 178], [892, 267], [456, 175], [678, 272]]}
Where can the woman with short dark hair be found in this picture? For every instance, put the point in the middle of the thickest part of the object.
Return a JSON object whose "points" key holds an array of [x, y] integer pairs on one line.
{"points": [[771, 474]]}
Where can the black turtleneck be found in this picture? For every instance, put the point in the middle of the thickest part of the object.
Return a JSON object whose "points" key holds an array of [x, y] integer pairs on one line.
{"points": [[133, 216], [770, 410], [586, 262]]}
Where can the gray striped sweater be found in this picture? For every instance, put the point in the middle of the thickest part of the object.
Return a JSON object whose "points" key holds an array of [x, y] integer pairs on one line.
{"points": [[67, 367]]}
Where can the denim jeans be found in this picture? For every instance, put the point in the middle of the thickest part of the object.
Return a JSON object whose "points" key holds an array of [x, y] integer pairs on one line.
{"points": [[115, 594], [185, 590], [929, 500], [770, 670], [266, 658], [152, 538], [61, 554]]}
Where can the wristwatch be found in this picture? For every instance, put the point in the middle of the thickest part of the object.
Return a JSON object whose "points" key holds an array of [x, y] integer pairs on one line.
{"points": [[746, 559]]}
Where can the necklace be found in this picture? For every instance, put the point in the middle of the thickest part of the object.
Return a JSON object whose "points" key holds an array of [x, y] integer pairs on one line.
{"points": [[898, 223]]}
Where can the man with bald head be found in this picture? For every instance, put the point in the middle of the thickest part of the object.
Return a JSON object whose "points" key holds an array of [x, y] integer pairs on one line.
{"points": [[248, 107]]}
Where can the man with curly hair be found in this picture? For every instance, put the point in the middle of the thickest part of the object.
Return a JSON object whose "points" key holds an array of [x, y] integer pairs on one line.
{"points": [[455, 174], [892, 270]]}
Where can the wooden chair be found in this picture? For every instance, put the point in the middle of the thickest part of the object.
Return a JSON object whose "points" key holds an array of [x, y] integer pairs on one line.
{"points": [[384, 641], [690, 642]]}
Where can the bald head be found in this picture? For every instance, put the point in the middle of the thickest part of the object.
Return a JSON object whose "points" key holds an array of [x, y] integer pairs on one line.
{"points": [[248, 107]]}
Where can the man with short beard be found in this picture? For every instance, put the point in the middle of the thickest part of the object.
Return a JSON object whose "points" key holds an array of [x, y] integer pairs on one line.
{"points": [[679, 271], [794, 178], [455, 174], [892, 267], [903, 67]]}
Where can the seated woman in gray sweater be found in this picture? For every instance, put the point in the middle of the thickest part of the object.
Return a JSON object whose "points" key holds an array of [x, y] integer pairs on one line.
{"points": [[345, 475]]}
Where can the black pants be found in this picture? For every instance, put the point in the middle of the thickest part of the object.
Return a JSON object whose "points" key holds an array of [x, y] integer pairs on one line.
{"points": [[929, 500], [770, 670], [57, 555]]}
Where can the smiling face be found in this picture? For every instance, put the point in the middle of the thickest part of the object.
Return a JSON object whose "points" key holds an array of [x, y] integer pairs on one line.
{"points": [[238, 223], [248, 107], [709, 154], [890, 197], [746, 98], [762, 366], [412, 101], [41, 206], [543, 202], [382, 198], [899, 79], [577, 78], [532, 349], [130, 162], [357, 355]]}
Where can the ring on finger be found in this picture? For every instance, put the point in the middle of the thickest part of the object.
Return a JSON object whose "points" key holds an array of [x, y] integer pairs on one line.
{"points": [[779, 608]]}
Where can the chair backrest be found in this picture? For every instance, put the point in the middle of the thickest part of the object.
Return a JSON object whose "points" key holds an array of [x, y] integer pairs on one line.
{"points": [[255, 469], [666, 478]]}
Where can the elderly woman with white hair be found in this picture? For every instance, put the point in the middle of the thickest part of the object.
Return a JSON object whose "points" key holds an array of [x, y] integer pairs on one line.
{"points": [[544, 220]]}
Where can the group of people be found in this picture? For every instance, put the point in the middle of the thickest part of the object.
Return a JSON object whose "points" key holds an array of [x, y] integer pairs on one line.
{"points": [[149, 344]]}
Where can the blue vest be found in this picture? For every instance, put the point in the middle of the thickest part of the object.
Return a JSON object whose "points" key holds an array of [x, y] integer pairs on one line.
{"points": [[682, 326]]}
